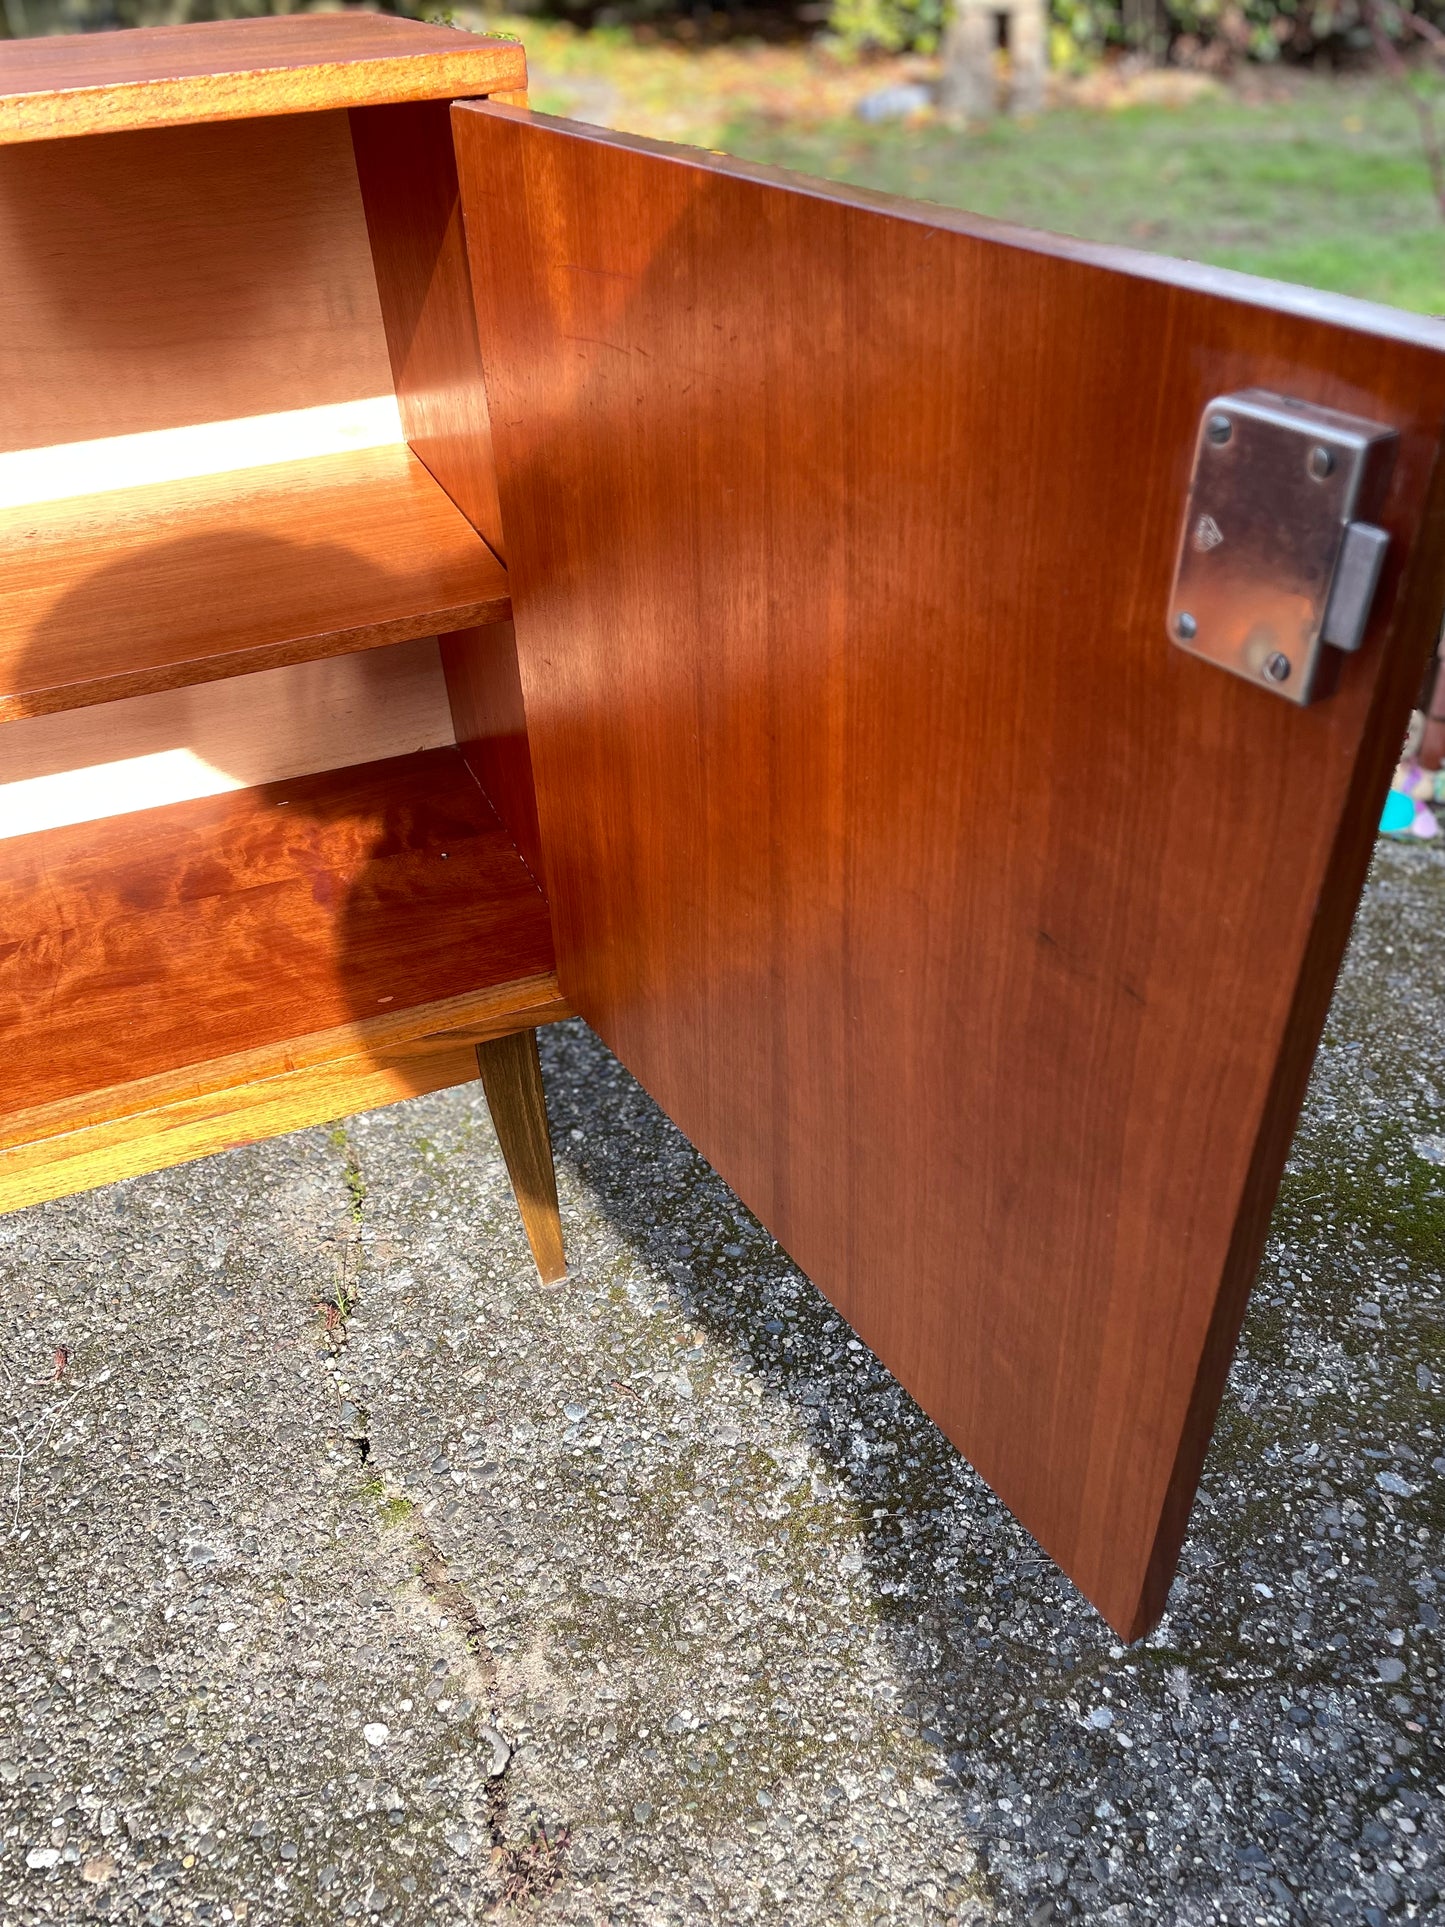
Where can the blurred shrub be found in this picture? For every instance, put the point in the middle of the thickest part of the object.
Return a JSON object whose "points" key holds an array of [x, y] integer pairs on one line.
{"points": [[688, 19], [888, 25], [1210, 33], [22, 17]]}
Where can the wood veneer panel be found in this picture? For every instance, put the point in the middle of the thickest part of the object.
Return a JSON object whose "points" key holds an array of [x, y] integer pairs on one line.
{"points": [[239, 69], [484, 688], [82, 765], [391, 1038], [190, 275], [125, 1146], [408, 176], [238, 924], [182, 582], [980, 937]]}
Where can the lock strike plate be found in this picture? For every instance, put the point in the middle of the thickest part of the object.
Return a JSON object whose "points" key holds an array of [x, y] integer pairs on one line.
{"points": [[1278, 559]]}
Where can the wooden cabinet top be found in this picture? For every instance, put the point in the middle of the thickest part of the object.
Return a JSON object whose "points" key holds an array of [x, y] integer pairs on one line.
{"points": [[237, 69]]}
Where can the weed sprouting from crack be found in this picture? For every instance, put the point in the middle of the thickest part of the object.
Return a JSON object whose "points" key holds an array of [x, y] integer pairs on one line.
{"points": [[528, 1871], [351, 1171], [337, 1306]]}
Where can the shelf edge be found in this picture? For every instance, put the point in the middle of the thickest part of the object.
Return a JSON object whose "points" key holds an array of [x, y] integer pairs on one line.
{"points": [[20, 704], [191, 1128], [112, 107], [383, 1042]]}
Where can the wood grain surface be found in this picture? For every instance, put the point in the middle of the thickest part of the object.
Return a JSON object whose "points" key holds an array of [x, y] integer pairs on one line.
{"points": [[489, 718], [80, 765], [181, 582], [392, 1038], [979, 936], [72, 84], [408, 176], [194, 1127], [512, 1078], [196, 274], [241, 923]]}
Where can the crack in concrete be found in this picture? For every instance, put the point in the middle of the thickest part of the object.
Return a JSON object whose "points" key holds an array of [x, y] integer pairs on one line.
{"points": [[525, 1869]]}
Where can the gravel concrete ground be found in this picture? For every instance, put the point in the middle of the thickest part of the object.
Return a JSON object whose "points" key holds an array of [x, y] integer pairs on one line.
{"points": [[351, 1575]]}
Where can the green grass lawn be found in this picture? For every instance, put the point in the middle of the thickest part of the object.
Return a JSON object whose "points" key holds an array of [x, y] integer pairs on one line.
{"points": [[1297, 176], [1325, 187]]}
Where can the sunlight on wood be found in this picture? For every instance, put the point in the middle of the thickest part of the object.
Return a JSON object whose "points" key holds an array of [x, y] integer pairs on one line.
{"points": [[82, 765], [71, 469]]}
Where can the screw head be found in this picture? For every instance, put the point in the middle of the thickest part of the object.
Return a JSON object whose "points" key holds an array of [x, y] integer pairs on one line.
{"points": [[1277, 667], [1320, 462], [1185, 627], [1219, 428]]}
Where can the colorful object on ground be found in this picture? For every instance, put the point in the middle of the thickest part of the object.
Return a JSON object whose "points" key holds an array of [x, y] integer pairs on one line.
{"points": [[1407, 809]]}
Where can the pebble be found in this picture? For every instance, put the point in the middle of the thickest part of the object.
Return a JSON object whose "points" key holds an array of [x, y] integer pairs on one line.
{"points": [[500, 1751]]}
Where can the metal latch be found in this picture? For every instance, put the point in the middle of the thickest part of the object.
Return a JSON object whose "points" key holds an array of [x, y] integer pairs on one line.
{"points": [[1278, 560]]}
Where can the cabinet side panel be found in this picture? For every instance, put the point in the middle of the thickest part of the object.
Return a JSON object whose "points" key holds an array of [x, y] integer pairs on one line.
{"points": [[408, 177], [485, 691], [183, 275]]}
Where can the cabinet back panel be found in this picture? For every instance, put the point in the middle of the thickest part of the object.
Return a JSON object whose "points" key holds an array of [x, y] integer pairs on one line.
{"points": [[183, 275], [174, 745]]}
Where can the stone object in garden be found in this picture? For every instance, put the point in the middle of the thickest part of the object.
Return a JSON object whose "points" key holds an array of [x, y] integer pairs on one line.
{"points": [[968, 85]]}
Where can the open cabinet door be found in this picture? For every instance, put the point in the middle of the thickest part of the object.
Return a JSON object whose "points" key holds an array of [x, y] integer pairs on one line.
{"points": [[977, 931]]}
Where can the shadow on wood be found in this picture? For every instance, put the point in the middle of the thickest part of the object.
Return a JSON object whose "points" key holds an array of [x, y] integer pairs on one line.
{"points": [[181, 979]]}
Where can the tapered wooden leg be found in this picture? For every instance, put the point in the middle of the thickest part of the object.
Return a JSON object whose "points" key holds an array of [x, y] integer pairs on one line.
{"points": [[512, 1080]]}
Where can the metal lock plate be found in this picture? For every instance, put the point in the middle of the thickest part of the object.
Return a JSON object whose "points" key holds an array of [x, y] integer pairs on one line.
{"points": [[1278, 561]]}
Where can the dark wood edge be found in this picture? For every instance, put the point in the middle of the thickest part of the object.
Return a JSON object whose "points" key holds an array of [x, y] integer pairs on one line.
{"points": [[1334, 310], [1404, 657]]}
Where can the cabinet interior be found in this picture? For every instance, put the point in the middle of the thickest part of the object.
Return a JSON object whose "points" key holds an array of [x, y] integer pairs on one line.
{"points": [[258, 703]]}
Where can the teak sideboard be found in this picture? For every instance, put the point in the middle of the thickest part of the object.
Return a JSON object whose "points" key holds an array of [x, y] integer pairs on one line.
{"points": [[922, 690]]}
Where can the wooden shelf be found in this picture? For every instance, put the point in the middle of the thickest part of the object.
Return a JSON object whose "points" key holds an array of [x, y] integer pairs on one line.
{"points": [[183, 582], [333, 919], [239, 69]]}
